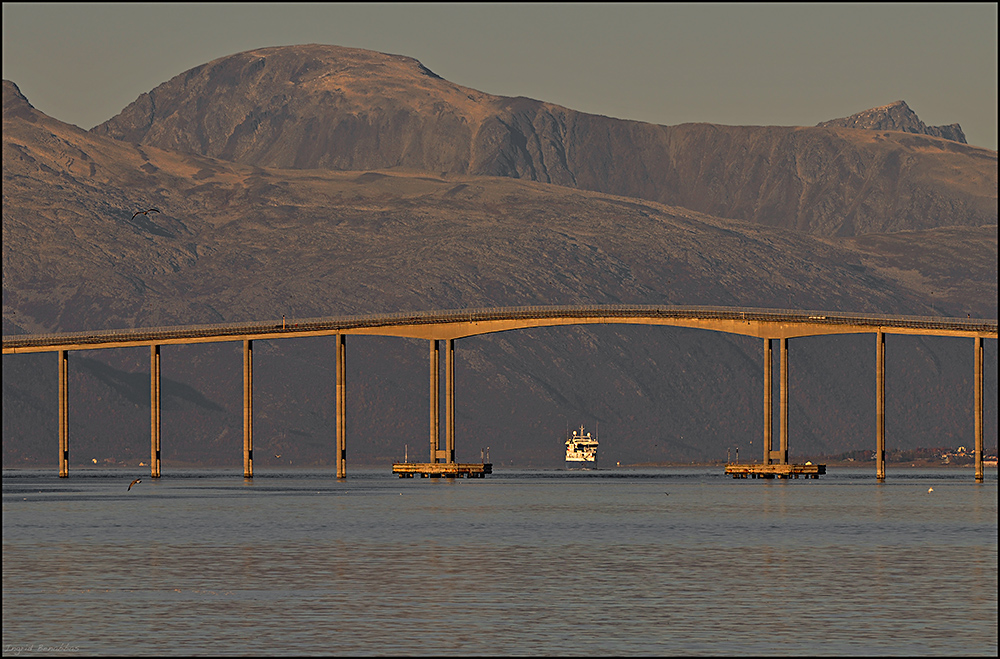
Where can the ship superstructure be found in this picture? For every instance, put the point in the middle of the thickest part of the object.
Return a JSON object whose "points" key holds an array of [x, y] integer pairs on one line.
{"points": [[581, 449]]}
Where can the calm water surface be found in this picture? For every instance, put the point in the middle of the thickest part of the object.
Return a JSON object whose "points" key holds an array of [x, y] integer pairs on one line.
{"points": [[539, 562]]}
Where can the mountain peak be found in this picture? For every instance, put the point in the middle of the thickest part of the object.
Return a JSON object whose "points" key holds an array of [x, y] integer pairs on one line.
{"points": [[896, 116], [15, 104], [298, 106]]}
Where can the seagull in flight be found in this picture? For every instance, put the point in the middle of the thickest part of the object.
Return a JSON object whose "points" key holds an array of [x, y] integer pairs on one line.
{"points": [[137, 480], [146, 212]]}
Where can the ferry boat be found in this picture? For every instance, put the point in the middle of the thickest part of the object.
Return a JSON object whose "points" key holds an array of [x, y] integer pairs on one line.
{"points": [[581, 450]]}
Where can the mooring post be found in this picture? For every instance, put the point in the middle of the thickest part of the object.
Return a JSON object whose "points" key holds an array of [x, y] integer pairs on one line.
{"points": [[449, 399], [880, 405], [435, 403], [154, 406], [247, 408], [783, 456], [978, 408], [341, 406], [768, 402], [63, 414]]}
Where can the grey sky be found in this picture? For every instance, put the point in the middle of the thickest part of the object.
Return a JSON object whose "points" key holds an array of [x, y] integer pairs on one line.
{"points": [[737, 64]]}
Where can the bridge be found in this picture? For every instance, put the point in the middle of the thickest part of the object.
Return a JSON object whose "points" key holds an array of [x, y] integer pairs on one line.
{"points": [[443, 328]]}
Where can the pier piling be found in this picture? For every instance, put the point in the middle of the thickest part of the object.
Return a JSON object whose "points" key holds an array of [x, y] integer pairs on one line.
{"points": [[880, 405], [154, 413], [341, 406], [63, 414], [783, 403], [435, 403], [978, 405], [247, 409], [768, 402], [449, 399]]}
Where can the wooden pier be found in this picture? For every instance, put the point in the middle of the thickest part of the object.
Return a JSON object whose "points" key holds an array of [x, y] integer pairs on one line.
{"points": [[439, 469], [775, 470]]}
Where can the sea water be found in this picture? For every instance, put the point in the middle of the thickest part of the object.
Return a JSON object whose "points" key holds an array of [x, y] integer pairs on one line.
{"points": [[618, 561]]}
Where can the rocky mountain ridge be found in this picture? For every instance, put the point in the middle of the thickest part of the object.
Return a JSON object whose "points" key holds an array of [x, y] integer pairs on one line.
{"points": [[896, 116], [326, 107]]}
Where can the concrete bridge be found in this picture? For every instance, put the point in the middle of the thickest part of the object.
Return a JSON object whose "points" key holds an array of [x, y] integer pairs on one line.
{"points": [[442, 328]]}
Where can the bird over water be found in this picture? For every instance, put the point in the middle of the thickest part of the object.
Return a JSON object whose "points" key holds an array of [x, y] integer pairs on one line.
{"points": [[137, 480]]}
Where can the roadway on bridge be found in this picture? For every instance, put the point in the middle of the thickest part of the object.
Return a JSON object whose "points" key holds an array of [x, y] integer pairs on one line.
{"points": [[455, 324]]}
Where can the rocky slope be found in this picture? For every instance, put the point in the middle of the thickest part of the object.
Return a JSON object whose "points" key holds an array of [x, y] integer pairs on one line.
{"points": [[896, 117], [345, 242], [327, 107]]}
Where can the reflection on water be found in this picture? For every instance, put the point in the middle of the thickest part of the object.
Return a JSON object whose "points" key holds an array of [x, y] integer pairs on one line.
{"points": [[524, 562]]}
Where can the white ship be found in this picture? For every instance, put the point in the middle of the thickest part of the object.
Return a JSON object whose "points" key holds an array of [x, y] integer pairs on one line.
{"points": [[581, 449]]}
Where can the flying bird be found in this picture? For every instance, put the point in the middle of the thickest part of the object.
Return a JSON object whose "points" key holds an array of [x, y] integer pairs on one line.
{"points": [[137, 480], [146, 212]]}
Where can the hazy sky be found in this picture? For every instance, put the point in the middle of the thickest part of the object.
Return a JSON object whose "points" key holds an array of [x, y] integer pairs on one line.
{"points": [[737, 64]]}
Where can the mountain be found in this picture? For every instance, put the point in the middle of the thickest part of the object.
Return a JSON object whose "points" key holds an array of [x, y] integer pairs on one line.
{"points": [[326, 107], [239, 241], [15, 104], [896, 117]]}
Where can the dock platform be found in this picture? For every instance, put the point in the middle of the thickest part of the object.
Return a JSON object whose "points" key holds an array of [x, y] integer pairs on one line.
{"points": [[775, 470], [439, 469]]}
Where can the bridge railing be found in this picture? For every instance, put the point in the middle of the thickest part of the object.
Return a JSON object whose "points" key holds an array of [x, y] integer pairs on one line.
{"points": [[345, 323]]}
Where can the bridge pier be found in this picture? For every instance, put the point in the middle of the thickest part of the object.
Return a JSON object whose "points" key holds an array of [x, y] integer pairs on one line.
{"points": [[448, 453], [783, 403], [768, 402], [435, 385], [63, 414], [449, 399], [978, 406], [247, 408], [880, 405], [770, 455], [341, 406], [154, 406]]}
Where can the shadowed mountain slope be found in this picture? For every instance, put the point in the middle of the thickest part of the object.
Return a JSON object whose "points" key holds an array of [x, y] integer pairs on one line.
{"points": [[337, 108], [323, 242]]}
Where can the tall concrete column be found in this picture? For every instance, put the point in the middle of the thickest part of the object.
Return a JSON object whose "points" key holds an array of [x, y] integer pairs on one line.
{"points": [[783, 456], [341, 406], [247, 409], [154, 406], [63, 413], [978, 411], [449, 399], [768, 402], [880, 405], [435, 386]]}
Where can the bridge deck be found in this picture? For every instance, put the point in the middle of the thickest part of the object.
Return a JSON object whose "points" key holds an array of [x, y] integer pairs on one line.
{"points": [[454, 324]]}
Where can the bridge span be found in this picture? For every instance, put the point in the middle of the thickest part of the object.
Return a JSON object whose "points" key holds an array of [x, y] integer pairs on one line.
{"points": [[449, 325]]}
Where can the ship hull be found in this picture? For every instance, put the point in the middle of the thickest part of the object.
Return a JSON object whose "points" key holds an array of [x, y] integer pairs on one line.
{"points": [[581, 464]]}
